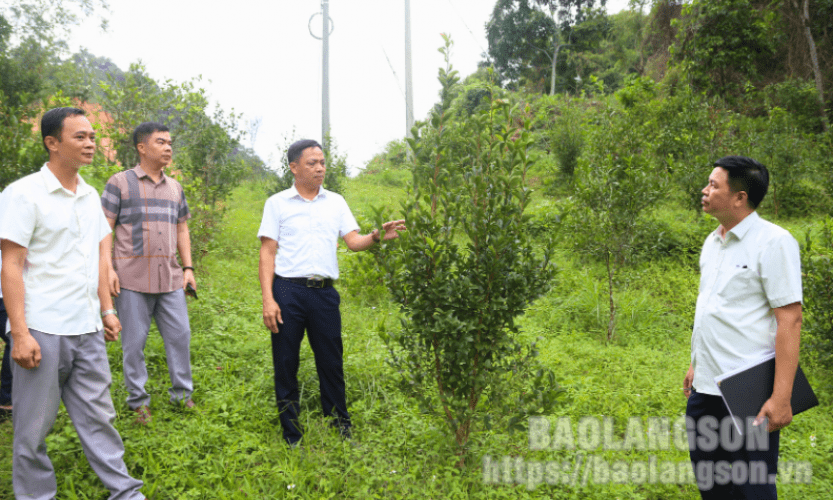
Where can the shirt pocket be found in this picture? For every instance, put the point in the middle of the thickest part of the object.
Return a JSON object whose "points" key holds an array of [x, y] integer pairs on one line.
{"points": [[739, 284]]}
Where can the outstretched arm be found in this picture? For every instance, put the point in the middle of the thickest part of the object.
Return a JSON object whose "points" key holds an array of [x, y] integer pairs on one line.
{"points": [[357, 242]]}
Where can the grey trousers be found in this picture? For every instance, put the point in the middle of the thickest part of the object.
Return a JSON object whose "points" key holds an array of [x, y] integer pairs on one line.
{"points": [[170, 311], [75, 369]]}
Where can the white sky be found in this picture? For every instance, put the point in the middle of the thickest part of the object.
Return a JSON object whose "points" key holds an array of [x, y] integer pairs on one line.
{"points": [[258, 57]]}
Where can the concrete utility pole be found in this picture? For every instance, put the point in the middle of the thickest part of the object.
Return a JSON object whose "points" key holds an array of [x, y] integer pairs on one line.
{"points": [[325, 76], [409, 81], [327, 29]]}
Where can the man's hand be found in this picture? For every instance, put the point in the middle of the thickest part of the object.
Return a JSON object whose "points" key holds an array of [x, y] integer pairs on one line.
{"points": [[392, 229], [113, 282], [188, 277], [112, 327], [272, 315], [687, 381], [26, 350], [778, 414]]}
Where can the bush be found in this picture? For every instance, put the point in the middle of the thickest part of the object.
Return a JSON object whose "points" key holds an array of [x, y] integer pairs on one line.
{"points": [[467, 267], [396, 156], [567, 140], [359, 272], [800, 99], [677, 235], [817, 267]]}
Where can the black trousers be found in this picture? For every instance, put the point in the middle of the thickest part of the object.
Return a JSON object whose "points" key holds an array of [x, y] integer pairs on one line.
{"points": [[316, 311], [747, 472]]}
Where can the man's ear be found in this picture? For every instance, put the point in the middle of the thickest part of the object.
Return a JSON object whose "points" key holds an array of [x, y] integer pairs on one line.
{"points": [[293, 167], [140, 148], [51, 142], [743, 198]]}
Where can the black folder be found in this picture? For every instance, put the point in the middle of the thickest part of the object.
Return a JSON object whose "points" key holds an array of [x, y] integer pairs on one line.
{"points": [[746, 389]]}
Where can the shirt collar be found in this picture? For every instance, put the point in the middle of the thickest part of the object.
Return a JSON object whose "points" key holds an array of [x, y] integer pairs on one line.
{"points": [[53, 184], [742, 227], [292, 192], [140, 172]]}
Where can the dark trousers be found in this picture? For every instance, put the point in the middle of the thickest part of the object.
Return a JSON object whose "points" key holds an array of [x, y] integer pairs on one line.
{"points": [[6, 369], [316, 311], [721, 473]]}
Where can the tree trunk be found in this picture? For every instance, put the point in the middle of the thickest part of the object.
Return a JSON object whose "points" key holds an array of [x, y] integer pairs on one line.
{"points": [[814, 58], [554, 61], [611, 322]]}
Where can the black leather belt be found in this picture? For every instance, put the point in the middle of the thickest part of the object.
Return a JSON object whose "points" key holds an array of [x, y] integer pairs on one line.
{"points": [[308, 282]]}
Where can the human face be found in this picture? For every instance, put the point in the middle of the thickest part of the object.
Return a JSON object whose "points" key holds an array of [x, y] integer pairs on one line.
{"points": [[718, 198], [156, 149], [77, 144], [309, 169]]}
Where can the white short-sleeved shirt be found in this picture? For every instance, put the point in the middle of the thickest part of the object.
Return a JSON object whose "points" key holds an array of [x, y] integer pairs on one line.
{"points": [[755, 269], [61, 231], [307, 232]]}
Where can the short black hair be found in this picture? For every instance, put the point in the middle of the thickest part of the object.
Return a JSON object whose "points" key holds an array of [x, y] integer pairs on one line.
{"points": [[746, 174], [297, 149], [145, 129], [52, 123]]}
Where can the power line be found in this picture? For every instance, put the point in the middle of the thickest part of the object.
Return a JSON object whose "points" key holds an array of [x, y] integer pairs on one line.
{"points": [[467, 27], [395, 76]]}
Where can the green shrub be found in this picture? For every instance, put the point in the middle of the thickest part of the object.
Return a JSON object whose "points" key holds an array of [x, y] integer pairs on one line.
{"points": [[567, 140], [359, 272], [665, 234], [467, 267], [396, 156], [800, 99], [817, 267]]}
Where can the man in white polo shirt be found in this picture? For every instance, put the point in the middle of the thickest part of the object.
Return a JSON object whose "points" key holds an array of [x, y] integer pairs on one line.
{"points": [[749, 306], [299, 233], [6, 367], [53, 235]]}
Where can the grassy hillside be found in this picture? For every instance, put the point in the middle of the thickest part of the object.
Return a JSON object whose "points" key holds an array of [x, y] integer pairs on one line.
{"points": [[231, 446]]}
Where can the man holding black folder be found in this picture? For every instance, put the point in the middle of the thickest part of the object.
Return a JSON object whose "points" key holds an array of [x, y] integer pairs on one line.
{"points": [[749, 306]]}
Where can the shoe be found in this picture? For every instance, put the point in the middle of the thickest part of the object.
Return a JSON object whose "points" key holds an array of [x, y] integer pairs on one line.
{"points": [[346, 433], [143, 415]]}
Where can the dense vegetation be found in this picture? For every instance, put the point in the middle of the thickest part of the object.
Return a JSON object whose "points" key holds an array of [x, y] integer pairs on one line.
{"points": [[603, 178]]}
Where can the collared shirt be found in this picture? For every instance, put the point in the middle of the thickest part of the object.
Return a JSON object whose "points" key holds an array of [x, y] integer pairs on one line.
{"points": [[743, 277], [61, 231], [307, 232], [146, 215]]}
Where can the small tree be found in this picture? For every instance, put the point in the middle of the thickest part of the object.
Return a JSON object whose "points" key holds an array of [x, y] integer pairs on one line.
{"points": [[467, 266], [615, 184]]}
